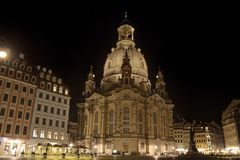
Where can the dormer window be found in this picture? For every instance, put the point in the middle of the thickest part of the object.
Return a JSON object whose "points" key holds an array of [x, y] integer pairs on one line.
{"points": [[29, 69], [42, 85], [26, 77], [3, 69], [60, 89], [33, 79], [66, 92], [11, 72], [19, 75], [49, 86], [54, 88]]}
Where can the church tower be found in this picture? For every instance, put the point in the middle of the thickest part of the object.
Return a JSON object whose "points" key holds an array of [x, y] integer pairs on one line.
{"points": [[126, 71], [160, 84], [90, 84]]}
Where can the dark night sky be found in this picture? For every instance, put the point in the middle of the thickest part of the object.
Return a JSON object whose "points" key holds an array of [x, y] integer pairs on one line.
{"points": [[194, 46]]}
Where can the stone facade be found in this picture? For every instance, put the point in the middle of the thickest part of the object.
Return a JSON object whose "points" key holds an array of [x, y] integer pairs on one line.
{"points": [[126, 115], [51, 111], [231, 125], [208, 137], [17, 96], [34, 106]]}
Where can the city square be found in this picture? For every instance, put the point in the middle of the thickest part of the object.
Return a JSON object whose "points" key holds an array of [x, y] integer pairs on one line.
{"points": [[116, 104]]}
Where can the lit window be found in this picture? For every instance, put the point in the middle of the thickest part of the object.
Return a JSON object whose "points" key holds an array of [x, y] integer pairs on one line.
{"points": [[62, 136], [66, 92], [55, 135], [34, 133], [55, 88], [49, 135], [42, 134]]}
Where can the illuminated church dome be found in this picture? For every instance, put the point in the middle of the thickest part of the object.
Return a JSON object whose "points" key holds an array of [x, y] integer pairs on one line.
{"points": [[112, 67]]}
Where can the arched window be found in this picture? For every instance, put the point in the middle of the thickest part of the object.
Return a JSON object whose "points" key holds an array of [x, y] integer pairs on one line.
{"points": [[125, 120], [154, 118], [140, 116], [126, 113], [155, 124], [96, 125], [126, 81], [140, 125], [96, 117], [111, 122], [111, 116]]}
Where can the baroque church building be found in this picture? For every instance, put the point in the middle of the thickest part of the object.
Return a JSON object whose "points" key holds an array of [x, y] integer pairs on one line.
{"points": [[125, 115]]}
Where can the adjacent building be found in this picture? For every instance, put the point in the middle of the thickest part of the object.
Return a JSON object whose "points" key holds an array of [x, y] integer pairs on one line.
{"points": [[51, 110], [125, 114], [208, 137], [34, 107], [231, 126], [18, 85]]}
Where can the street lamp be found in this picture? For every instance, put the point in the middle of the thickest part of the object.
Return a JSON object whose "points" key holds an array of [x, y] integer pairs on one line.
{"points": [[4, 50], [3, 54]]}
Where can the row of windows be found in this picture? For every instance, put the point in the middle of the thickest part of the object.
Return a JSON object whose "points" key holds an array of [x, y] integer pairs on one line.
{"points": [[50, 109], [53, 98], [48, 134], [16, 131], [50, 122], [19, 74], [11, 113], [14, 98], [54, 87], [16, 87], [178, 141]]}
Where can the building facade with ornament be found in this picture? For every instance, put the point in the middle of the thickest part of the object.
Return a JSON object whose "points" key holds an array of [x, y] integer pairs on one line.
{"points": [[126, 115]]}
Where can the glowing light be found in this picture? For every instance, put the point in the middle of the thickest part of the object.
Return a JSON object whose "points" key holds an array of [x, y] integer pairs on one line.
{"points": [[114, 151], [156, 76], [3, 54], [71, 145], [93, 75], [155, 147], [95, 146]]}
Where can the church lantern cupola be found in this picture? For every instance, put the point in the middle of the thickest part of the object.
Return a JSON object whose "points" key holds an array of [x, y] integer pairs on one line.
{"points": [[125, 34]]}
